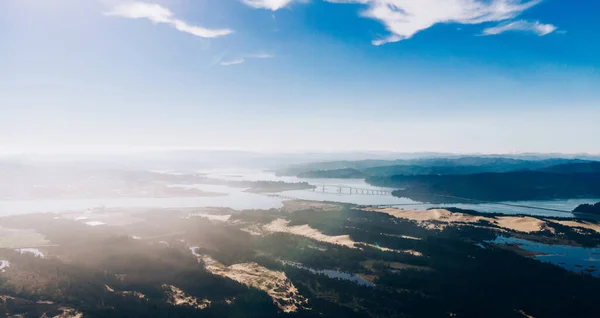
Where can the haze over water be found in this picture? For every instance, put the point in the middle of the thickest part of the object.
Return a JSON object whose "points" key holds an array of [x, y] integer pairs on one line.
{"points": [[238, 199]]}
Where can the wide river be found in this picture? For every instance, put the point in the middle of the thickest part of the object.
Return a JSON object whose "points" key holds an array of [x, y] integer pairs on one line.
{"points": [[236, 198]]}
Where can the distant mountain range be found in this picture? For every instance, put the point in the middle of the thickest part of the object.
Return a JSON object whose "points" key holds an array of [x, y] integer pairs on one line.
{"points": [[442, 166], [197, 159]]}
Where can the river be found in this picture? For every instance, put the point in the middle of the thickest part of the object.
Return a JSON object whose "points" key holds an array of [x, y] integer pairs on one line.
{"points": [[237, 199]]}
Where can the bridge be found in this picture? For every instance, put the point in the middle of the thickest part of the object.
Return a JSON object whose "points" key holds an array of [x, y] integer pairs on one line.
{"points": [[349, 190]]}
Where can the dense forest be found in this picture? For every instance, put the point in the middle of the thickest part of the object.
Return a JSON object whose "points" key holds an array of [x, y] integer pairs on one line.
{"points": [[400, 170], [509, 186], [459, 165], [457, 272], [588, 208]]}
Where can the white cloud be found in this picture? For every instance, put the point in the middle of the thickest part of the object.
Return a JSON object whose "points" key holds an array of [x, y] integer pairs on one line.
{"points": [[535, 27], [405, 18], [272, 5], [160, 14], [232, 62]]}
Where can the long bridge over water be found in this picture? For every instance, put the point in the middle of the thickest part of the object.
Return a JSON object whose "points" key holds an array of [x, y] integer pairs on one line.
{"points": [[349, 190]]}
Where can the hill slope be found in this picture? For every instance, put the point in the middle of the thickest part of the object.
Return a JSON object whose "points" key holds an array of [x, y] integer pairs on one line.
{"points": [[461, 165], [509, 186], [588, 208]]}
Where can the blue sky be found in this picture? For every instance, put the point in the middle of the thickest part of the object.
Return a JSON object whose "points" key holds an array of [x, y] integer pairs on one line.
{"points": [[488, 76]]}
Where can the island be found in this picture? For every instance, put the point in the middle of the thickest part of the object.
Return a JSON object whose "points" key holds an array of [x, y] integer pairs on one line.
{"points": [[275, 186]]}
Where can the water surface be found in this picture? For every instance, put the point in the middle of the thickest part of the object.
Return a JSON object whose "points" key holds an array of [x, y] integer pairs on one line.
{"points": [[237, 198], [335, 274], [576, 259]]}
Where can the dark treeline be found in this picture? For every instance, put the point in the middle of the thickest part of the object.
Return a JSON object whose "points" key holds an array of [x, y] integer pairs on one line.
{"points": [[509, 186], [457, 165], [407, 170], [464, 280], [588, 208]]}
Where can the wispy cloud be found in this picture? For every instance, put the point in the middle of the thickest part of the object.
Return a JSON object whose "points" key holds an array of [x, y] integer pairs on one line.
{"points": [[232, 62], [260, 56], [159, 14], [219, 59], [535, 27], [404, 18], [272, 5]]}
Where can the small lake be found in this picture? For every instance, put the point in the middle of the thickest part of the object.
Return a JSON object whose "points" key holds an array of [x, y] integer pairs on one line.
{"points": [[335, 274], [576, 259]]}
